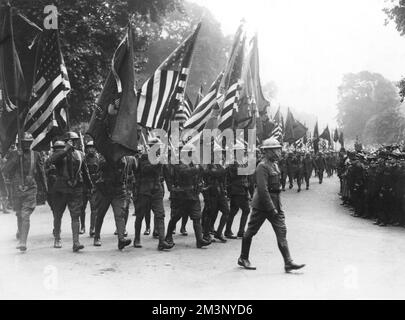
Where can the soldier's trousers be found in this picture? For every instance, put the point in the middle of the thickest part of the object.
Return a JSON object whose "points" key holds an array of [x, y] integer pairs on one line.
{"points": [[358, 200], [143, 206], [320, 175], [181, 208], [88, 197], [118, 203], [277, 221], [74, 201], [283, 179], [238, 202], [307, 177], [212, 205], [24, 203]]}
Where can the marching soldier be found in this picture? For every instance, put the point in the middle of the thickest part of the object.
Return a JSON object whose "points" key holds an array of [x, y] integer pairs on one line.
{"points": [[266, 205], [283, 170], [215, 198], [71, 175], [50, 172], [184, 197], [92, 160], [111, 190], [308, 164], [238, 192], [149, 191], [25, 195], [320, 165]]}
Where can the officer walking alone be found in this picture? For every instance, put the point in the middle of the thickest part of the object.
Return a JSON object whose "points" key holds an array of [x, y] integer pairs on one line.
{"points": [[266, 205]]}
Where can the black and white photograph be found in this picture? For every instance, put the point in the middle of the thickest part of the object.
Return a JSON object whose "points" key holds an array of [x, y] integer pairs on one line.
{"points": [[202, 150]]}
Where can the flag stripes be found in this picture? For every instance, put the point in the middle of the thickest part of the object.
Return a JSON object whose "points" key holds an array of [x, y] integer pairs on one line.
{"points": [[51, 87], [230, 105], [154, 96], [184, 111], [200, 115]]}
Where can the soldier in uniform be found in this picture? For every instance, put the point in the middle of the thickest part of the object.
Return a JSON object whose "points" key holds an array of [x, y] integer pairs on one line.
{"points": [[92, 160], [308, 164], [184, 197], [71, 175], [320, 165], [50, 172], [111, 190], [215, 198], [149, 191], [25, 187], [238, 192], [283, 170], [266, 205]]}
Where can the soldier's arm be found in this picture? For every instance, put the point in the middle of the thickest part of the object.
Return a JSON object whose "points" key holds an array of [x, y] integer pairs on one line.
{"points": [[262, 180], [86, 176], [57, 156]]}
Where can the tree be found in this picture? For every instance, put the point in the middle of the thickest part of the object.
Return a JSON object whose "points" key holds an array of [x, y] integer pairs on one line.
{"points": [[90, 30], [209, 54], [363, 99]]}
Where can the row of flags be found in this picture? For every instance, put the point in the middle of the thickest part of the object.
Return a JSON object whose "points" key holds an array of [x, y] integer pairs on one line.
{"points": [[234, 100]]}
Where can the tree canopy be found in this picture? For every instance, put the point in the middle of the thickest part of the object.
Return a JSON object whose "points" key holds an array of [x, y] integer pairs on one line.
{"points": [[368, 107]]}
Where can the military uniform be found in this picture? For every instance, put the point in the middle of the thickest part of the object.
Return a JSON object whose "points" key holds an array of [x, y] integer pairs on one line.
{"points": [[266, 204], [71, 175], [25, 196], [320, 165], [111, 190], [308, 164], [238, 192], [283, 171], [184, 199], [149, 197]]}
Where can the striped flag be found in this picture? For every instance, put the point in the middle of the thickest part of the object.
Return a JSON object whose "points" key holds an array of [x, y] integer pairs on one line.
{"points": [[161, 95], [200, 95], [203, 110], [183, 113], [231, 82], [51, 86], [278, 129]]}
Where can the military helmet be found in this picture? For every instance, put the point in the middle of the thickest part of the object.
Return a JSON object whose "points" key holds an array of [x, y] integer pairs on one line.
{"points": [[58, 144], [27, 137], [71, 135], [271, 143], [90, 144]]}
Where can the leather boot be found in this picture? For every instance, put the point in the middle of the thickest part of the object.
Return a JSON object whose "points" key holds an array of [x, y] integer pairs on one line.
{"points": [[138, 226], [24, 229], [228, 229], [183, 230], [289, 265], [169, 234], [122, 243], [218, 235], [160, 229], [243, 260], [198, 235], [75, 234]]}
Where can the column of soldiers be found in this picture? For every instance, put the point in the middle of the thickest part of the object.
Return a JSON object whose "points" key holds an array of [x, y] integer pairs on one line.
{"points": [[73, 176], [373, 184]]}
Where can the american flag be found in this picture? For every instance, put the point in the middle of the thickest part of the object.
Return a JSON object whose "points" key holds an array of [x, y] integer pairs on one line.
{"points": [[278, 129], [231, 82], [183, 113], [51, 86], [161, 95], [200, 115]]}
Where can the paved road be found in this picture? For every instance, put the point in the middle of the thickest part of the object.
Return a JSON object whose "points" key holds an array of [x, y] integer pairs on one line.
{"points": [[346, 258]]}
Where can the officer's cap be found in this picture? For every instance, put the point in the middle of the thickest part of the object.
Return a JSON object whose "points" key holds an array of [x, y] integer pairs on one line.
{"points": [[71, 135], [58, 144]]}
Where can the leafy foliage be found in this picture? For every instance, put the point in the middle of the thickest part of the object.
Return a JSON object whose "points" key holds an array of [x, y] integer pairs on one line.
{"points": [[368, 107], [90, 30]]}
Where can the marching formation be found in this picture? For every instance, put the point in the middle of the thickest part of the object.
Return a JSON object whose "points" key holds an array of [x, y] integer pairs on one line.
{"points": [[373, 184]]}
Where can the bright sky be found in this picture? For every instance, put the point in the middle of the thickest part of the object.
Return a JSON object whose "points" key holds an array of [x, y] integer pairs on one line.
{"points": [[307, 46]]}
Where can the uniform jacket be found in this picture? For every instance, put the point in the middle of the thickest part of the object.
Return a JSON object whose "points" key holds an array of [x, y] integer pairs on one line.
{"points": [[71, 170], [33, 166], [267, 192], [184, 181], [148, 177], [236, 184]]}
